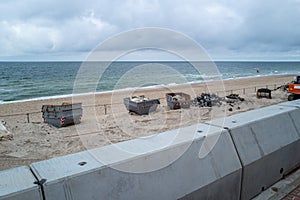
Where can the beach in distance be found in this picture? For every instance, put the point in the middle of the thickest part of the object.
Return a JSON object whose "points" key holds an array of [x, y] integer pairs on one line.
{"points": [[106, 120]]}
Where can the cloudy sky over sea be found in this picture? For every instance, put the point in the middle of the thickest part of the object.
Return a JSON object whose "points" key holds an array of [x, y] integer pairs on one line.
{"points": [[226, 29]]}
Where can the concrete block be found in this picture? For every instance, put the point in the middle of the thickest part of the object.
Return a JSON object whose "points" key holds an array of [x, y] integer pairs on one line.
{"points": [[268, 143], [295, 113], [57, 171], [295, 116], [194, 162], [295, 103], [18, 184]]}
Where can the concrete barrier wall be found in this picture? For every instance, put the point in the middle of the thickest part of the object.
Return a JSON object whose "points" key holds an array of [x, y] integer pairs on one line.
{"points": [[215, 176], [18, 184], [251, 151], [268, 143], [295, 103]]}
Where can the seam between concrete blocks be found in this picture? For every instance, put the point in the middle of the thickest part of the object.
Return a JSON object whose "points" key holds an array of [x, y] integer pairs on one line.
{"points": [[40, 185], [237, 152], [241, 162]]}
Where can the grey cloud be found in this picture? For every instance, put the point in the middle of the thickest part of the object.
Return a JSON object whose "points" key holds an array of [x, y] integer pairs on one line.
{"points": [[225, 28]]}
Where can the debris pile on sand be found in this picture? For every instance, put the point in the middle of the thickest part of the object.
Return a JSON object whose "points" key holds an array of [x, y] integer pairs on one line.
{"points": [[210, 100], [233, 98], [207, 100]]}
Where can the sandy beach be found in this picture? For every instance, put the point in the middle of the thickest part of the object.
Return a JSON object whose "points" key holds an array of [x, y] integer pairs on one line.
{"points": [[23, 142]]}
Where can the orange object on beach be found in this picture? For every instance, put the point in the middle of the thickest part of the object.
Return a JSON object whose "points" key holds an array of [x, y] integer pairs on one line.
{"points": [[294, 89]]}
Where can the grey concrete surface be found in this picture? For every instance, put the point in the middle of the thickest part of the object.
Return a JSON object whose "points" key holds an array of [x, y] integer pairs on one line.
{"points": [[267, 141], [18, 184], [219, 170]]}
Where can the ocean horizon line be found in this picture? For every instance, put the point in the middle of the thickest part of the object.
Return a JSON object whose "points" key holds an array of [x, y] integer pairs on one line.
{"points": [[128, 61]]}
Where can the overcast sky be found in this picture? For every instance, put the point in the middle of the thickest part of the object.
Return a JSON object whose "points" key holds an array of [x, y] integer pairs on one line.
{"points": [[226, 29]]}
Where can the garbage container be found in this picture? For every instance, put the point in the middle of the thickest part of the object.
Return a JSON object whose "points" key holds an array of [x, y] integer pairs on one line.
{"points": [[62, 115], [141, 105], [178, 100], [264, 92]]}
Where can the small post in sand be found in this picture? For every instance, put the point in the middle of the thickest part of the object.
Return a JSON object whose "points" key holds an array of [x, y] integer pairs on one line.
{"points": [[105, 109], [28, 121]]}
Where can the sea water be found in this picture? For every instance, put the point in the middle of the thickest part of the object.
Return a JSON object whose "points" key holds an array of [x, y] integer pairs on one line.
{"points": [[32, 80]]}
